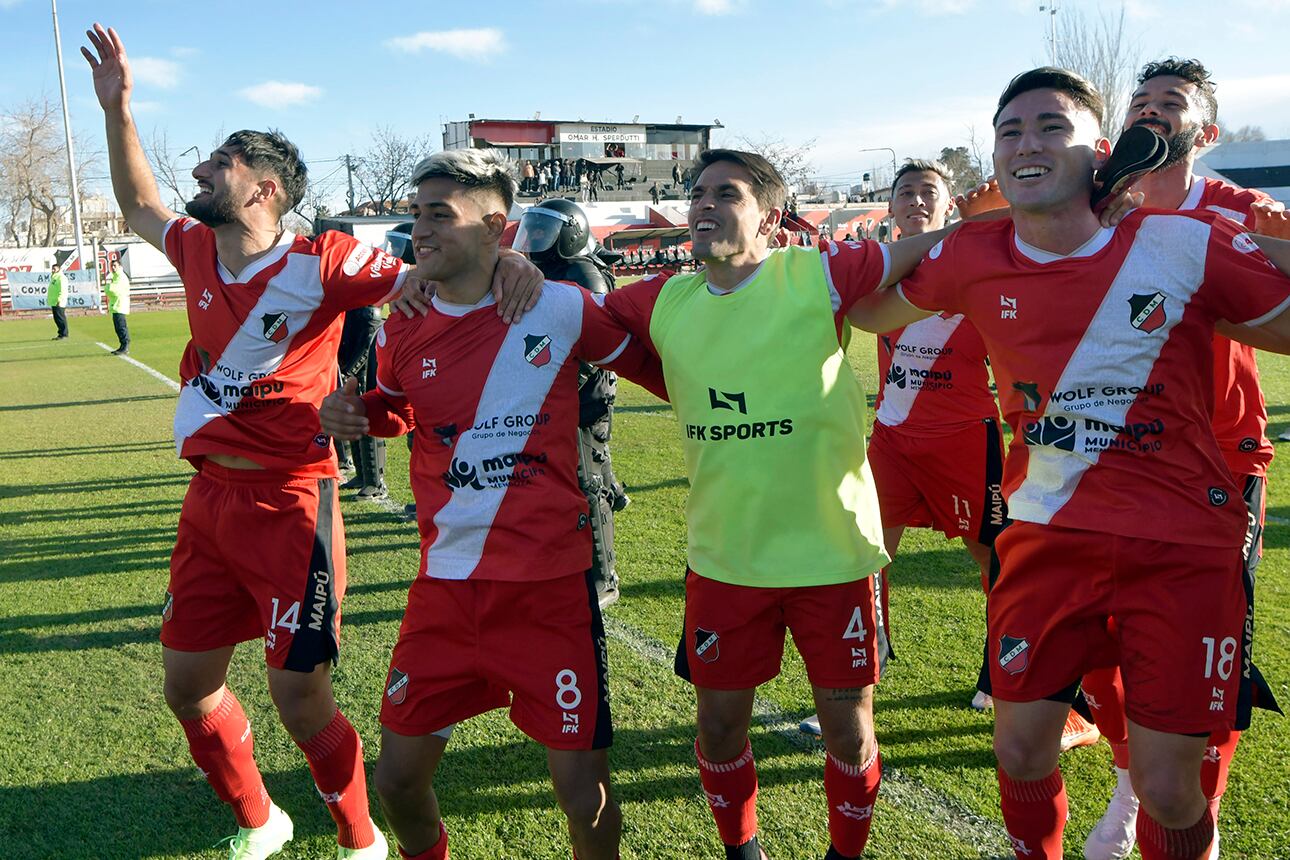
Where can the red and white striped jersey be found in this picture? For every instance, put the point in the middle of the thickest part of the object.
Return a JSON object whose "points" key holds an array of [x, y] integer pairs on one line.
{"points": [[262, 353], [933, 377], [1103, 361], [1240, 414], [495, 406]]}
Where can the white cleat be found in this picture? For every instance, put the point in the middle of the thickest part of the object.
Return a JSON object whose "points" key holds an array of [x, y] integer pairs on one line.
{"points": [[1117, 832], [982, 702], [811, 725], [378, 850], [257, 843]]}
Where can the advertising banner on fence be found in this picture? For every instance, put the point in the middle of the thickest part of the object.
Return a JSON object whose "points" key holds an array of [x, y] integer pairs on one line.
{"points": [[28, 289]]}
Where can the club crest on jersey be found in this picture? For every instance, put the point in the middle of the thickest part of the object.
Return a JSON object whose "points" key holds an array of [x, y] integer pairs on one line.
{"points": [[275, 327], [1014, 654], [537, 349], [1147, 312], [706, 645], [397, 688]]}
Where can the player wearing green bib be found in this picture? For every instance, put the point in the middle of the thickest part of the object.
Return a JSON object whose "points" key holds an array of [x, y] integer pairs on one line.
{"points": [[783, 524], [57, 302]]}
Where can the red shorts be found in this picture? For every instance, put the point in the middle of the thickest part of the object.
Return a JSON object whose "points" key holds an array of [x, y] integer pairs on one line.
{"points": [[734, 634], [1178, 610], [468, 646], [950, 483], [258, 553]]}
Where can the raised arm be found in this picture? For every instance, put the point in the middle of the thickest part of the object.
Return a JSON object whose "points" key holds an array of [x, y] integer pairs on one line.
{"points": [[905, 254], [885, 310], [133, 183]]}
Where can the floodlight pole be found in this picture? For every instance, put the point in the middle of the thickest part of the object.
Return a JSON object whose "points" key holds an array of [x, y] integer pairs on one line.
{"points": [[71, 157], [883, 149]]}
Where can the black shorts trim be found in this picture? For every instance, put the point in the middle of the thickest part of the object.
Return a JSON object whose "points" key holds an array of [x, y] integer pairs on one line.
{"points": [[1254, 691], [317, 641], [994, 511], [603, 735]]}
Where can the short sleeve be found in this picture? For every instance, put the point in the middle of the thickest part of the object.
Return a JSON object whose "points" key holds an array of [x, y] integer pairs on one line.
{"points": [[181, 240], [853, 270], [387, 377], [1241, 284], [633, 306], [356, 275], [603, 338], [934, 284]]}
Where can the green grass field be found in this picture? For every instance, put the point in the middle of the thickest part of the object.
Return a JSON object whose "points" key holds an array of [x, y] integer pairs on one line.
{"points": [[92, 765]]}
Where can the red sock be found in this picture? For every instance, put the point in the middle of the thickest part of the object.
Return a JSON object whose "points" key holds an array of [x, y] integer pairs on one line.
{"points": [[1161, 843], [1104, 690], [1034, 811], [1215, 765], [335, 758], [851, 790], [222, 747], [437, 851], [731, 788]]}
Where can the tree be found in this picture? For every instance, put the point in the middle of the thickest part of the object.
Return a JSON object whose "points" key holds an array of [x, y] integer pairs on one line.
{"points": [[1101, 50], [385, 168], [964, 168], [35, 198], [173, 173], [1238, 135], [793, 161]]}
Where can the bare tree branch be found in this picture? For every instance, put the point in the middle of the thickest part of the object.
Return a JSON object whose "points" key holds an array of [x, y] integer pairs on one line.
{"points": [[793, 161], [384, 169], [35, 197], [1101, 50]]}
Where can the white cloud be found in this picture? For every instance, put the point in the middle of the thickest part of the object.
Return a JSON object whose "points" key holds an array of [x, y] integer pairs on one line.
{"points": [[714, 7], [276, 94], [9, 4], [183, 52], [1141, 10], [156, 72], [1267, 92], [933, 7], [145, 106], [479, 45]]}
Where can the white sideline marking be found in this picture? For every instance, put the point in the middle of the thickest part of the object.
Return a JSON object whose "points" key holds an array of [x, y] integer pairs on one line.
{"points": [[976, 831], [139, 364], [979, 832]]}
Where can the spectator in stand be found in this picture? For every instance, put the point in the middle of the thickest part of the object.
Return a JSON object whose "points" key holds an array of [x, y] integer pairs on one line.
{"points": [[118, 298], [56, 298], [687, 178], [557, 174], [676, 174], [594, 187], [584, 187], [544, 180], [653, 192], [618, 169], [528, 177]]}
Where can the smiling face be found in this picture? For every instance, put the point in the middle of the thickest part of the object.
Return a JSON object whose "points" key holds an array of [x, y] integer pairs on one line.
{"points": [[725, 218], [225, 185], [920, 202], [1171, 106], [1046, 147], [453, 227]]}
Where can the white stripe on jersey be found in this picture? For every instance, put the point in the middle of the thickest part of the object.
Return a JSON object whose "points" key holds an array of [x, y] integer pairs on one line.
{"points": [[1168, 256], [514, 387], [932, 333], [297, 291]]}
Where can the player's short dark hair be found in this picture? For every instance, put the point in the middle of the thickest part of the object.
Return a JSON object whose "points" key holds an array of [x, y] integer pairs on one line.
{"points": [[477, 169], [924, 165], [769, 187], [1076, 87], [271, 152], [1191, 71]]}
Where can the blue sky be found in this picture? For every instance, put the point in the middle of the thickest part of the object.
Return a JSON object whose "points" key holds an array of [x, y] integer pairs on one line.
{"points": [[912, 75]]}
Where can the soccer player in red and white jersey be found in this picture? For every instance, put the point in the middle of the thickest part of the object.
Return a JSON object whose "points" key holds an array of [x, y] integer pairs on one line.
{"points": [[1121, 503], [260, 546], [1175, 98], [504, 610]]}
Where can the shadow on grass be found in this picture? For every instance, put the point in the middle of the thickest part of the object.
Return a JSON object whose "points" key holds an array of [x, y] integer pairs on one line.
{"points": [[173, 812], [71, 488], [119, 511], [646, 409], [31, 407], [103, 561], [658, 485]]}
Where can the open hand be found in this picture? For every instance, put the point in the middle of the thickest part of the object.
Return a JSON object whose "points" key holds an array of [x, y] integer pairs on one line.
{"points": [[976, 202], [517, 284], [112, 79], [1270, 219]]}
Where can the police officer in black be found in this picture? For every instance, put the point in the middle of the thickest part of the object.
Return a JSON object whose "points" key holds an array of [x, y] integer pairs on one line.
{"points": [[557, 237]]}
